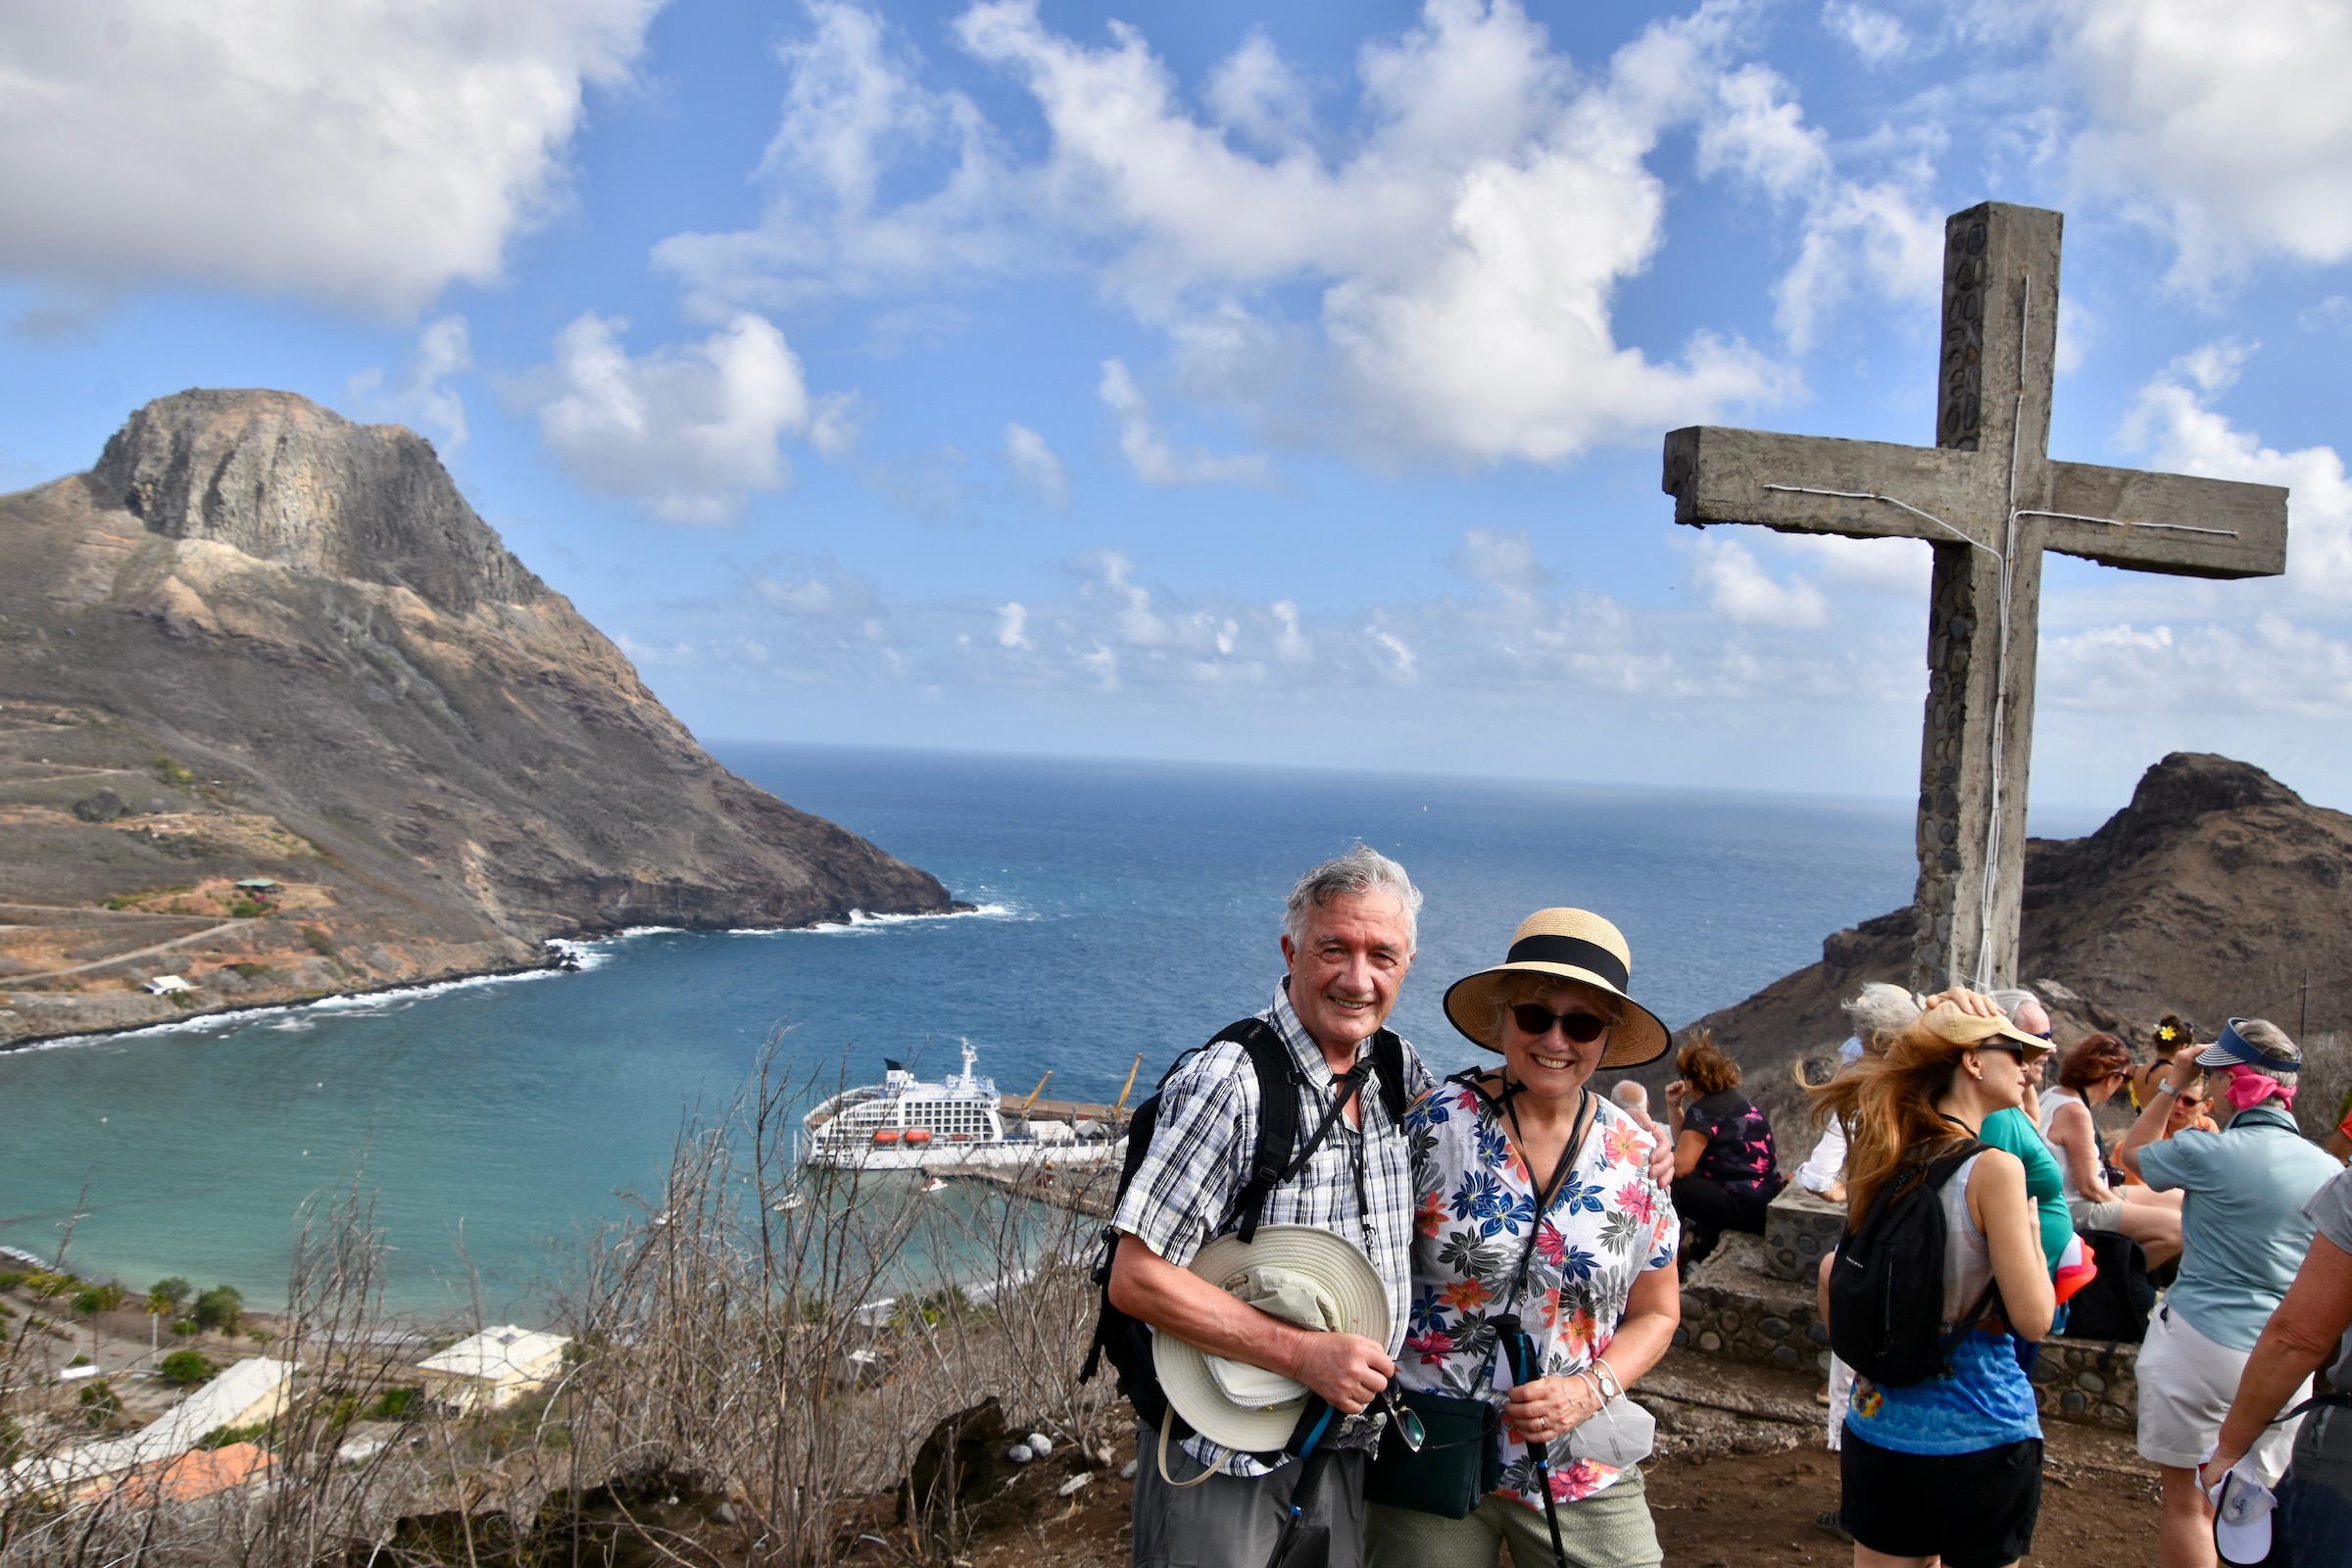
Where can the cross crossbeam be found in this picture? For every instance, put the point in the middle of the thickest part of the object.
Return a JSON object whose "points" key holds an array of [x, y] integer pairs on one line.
{"points": [[1990, 501]]}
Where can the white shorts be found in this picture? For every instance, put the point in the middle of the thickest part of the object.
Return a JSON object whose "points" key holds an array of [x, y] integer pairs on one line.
{"points": [[2185, 1385]]}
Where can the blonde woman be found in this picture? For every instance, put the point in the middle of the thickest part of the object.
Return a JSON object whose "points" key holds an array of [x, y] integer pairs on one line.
{"points": [[1950, 1467]]}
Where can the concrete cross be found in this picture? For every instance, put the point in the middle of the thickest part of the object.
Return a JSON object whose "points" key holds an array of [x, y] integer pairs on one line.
{"points": [[1990, 500]]}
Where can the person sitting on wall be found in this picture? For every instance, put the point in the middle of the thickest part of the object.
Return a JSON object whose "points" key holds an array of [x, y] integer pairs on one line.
{"points": [[1878, 1012], [2094, 1071], [1725, 1171]]}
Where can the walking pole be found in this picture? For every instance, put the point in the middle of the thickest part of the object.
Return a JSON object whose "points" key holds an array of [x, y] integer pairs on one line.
{"points": [[1521, 1347]]}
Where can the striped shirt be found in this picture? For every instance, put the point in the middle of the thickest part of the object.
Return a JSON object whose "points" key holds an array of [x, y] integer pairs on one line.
{"points": [[1182, 1196]]}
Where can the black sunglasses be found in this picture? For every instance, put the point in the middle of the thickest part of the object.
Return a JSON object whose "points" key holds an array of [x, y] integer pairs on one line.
{"points": [[1535, 1018]]}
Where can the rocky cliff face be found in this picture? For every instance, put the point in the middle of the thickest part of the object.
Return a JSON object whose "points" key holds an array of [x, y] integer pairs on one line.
{"points": [[2218, 891], [258, 642]]}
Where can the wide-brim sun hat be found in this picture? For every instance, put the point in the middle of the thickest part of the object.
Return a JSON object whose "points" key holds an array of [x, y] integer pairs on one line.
{"points": [[1342, 1277], [2235, 1050], [1569, 945], [1947, 1020]]}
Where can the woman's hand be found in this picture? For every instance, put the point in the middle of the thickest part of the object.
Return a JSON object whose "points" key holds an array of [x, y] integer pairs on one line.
{"points": [[1549, 1409], [1969, 1002], [1676, 1093]]}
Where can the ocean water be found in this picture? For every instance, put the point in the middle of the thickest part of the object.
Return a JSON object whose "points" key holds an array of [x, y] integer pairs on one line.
{"points": [[1124, 907]]}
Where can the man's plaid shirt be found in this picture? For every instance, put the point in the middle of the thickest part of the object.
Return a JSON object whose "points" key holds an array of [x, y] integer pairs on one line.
{"points": [[1183, 1192]]}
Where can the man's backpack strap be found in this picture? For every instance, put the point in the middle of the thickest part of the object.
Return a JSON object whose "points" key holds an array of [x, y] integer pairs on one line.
{"points": [[1277, 1117], [1387, 1069]]}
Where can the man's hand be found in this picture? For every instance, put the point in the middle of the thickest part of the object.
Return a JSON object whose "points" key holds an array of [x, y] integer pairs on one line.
{"points": [[1347, 1369], [1661, 1163], [1549, 1409]]}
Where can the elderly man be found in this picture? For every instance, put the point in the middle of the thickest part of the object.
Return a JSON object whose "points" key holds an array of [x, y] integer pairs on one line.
{"points": [[2244, 1231], [1347, 941]]}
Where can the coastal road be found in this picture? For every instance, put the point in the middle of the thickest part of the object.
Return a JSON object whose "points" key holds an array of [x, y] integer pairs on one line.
{"points": [[135, 953]]}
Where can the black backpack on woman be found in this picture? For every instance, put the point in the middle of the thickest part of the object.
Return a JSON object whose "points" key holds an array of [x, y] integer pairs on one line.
{"points": [[1887, 1286]]}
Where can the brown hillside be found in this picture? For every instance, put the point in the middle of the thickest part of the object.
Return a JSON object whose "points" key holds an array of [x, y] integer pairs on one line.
{"points": [[258, 639], [2217, 893]]}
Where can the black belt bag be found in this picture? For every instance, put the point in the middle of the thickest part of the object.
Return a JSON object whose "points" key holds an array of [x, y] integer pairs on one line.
{"points": [[1459, 1462]]}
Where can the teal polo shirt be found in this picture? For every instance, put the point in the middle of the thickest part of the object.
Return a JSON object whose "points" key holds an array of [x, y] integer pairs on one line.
{"points": [[2244, 1232]]}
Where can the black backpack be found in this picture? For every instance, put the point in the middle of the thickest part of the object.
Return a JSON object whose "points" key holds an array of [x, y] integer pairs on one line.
{"points": [[1274, 1159], [1887, 1286], [2116, 1304]]}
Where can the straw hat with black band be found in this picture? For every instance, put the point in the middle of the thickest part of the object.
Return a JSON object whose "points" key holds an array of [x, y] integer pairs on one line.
{"points": [[1568, 944]]}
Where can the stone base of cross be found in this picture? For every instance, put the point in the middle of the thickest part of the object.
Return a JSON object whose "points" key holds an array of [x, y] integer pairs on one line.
{"points": [[1990, 500]]}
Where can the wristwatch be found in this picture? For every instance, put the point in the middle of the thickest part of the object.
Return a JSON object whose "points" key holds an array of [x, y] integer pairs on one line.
{"points": [[2164, 1086]]}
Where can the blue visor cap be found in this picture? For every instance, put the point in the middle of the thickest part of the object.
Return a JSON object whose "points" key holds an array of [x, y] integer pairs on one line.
{"points": [[2235, 1050]]}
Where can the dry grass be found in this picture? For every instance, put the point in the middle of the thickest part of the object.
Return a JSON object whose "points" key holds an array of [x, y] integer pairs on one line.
{"points": [[752, 1356]]}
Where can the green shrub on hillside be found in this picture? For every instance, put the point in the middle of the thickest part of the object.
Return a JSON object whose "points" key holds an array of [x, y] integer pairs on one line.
{"points": [[98, 1403], [220, 1308], [184, 1368], [165, 1295], [94, 1299], [222, 1437], [395, 1405], [317, 942]]}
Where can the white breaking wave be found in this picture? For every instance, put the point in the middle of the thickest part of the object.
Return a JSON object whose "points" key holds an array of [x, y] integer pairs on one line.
{"points": [[293, 1017], [863, 923]]}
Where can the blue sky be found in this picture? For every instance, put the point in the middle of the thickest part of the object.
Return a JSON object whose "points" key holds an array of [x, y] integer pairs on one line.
{"points": [[1225, 382]]}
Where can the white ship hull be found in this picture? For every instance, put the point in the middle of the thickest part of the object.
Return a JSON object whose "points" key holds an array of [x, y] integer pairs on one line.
{"points": [[1011, 1154], [905, 1124]]}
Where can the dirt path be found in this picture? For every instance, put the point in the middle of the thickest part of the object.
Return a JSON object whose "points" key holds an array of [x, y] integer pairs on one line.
{"points": [[1742, 1493], [135, 953]]}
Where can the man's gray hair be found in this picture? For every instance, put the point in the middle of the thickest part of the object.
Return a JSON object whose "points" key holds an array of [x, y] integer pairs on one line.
{"points": [[2266, 1036], [1879, 1009], [1629, 1093], [1361, 870], [2011, 998]]}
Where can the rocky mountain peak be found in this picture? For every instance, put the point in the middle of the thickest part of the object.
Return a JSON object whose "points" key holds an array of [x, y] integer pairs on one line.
{"points": [[282, 480], [2172, 798]]}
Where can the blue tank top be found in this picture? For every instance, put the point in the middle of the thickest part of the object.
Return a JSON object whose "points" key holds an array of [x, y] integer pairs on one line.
{"points": [[1982, 1400]]}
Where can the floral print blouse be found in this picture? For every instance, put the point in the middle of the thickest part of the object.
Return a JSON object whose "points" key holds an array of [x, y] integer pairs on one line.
{"points": [[1608, 1224]]}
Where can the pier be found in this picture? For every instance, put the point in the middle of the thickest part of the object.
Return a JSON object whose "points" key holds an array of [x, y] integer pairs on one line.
{"points": [[1083, 1189]]}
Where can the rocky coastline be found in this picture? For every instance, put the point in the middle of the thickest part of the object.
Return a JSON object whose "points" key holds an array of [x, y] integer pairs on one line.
{"points": [[281, 718]]}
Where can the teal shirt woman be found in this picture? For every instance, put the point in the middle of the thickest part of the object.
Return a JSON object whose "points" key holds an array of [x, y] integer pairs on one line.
{"points": [[2014, 1131]]}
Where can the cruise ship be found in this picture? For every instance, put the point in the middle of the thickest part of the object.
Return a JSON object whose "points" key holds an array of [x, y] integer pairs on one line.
{"points": [[904, 1123]]}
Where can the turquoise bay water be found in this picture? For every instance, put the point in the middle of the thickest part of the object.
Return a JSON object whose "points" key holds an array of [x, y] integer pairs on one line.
{"points": [[1125, 908]]}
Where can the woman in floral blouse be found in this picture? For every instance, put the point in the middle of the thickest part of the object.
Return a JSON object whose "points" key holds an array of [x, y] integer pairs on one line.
{"points": [[1589, 1273]]}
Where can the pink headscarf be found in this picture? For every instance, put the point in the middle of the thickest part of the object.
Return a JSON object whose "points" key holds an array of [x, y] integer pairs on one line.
{"points": [[2248, 1088]]}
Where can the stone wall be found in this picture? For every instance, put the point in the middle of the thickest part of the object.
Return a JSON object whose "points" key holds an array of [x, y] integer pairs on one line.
{"points": [[1736, 1307]]}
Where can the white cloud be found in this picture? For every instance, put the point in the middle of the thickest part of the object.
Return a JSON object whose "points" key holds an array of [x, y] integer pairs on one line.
{"points": [[688, 431], [1742, 592], [1879, 38], [423, 394], [2228, 125], [1256, 93], [2272, 665], [1148, 452], [1037, 468], [2175, 421], [2331, 314], [364, 153], [1460, 241], [1012, 622], [854, 113], [1881, 235], [1503, 559]]}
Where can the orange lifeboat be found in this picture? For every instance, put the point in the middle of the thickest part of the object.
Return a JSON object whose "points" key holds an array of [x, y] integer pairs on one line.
{"points": [[918, 1135], [886, 1135]]}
